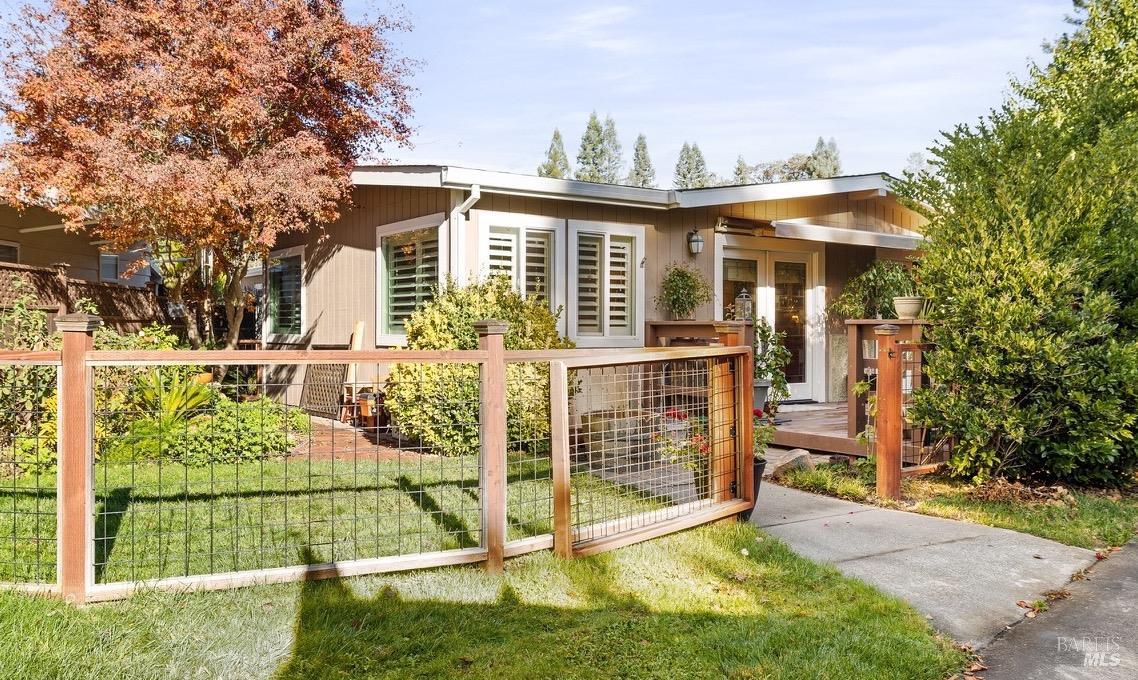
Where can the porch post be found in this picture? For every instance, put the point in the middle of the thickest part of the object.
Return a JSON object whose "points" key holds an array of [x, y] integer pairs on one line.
{"points": [[75, 504], [492, 412], [888, 426]]}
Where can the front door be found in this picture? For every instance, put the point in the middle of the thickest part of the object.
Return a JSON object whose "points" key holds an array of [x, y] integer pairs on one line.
{"points": [[780, 284]]}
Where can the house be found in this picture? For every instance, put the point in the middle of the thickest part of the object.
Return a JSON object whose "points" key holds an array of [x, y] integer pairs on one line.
{"points": [[58, 268], [596, 250]]}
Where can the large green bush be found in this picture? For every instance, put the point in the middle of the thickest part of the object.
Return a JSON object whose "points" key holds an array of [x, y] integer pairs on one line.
{"points": [[438, 403], [1031, 261]]}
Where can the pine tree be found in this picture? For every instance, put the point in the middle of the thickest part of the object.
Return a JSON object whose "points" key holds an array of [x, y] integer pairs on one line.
{"points": [[824, 161], [613, 163], [591, 156], [556, 163], [743, 173], [642, 173], [691, 168]]}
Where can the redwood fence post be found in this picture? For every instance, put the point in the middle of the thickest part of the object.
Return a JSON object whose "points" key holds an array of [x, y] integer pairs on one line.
{"points": [[888, 425], [730, 418], [492, 412], [559, 453], [75, 504]]}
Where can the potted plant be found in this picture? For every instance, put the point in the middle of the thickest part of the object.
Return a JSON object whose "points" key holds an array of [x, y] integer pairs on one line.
{"points": [[873, 294], [682, 290], [762, 436], [771, 357]]}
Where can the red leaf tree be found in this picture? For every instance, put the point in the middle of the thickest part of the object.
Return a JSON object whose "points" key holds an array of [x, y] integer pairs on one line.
{"points": [[198, 126]]}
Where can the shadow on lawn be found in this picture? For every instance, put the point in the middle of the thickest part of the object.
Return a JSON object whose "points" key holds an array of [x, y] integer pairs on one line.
{"points": [[340, 634]]}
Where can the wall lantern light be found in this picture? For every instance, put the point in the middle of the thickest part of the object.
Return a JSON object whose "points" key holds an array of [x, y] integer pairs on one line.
{"points": [[744, 306], [695, 242]]}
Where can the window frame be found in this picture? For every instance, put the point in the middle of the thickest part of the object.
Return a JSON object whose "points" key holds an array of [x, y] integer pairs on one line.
{"points": [[437, 221], [12, 244], [608, 230], [490, 220], [118, 272], [285, 338]]}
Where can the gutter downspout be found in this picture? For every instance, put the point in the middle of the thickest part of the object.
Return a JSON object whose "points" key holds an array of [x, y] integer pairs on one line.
{"points": [[458, 229]]}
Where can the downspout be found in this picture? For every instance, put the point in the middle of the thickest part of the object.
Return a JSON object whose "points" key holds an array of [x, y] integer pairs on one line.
{"points": [[458, 230]]}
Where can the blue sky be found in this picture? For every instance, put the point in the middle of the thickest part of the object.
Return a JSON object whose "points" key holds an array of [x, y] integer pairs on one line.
{"points": [[760, 78]]}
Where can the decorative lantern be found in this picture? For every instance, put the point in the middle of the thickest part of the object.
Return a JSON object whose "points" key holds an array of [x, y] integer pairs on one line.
{"points": [[744, 306], [695, 242]]}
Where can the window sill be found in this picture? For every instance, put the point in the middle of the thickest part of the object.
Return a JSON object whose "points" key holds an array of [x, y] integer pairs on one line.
{"points": [[391, 340]]}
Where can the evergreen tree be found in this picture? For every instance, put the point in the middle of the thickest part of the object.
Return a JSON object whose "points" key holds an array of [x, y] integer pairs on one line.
{"points": [[691, 168], [556, 163], [591, 156], [613, 158], [743, 173], [824, 160], [642, 174]]}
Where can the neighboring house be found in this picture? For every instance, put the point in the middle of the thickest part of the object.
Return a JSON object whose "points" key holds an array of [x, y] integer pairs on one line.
{"points": [[57, 268], [595, 250]]}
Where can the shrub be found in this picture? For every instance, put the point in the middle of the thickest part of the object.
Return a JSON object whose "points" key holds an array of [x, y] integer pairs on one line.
{"points": [[228, 432], [439, 403], [870, 294], [1030, 256], [682, 289]]}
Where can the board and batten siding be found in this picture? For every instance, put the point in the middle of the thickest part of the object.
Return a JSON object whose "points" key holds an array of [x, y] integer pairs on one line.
{"points": [[46, 248], [339, 271]]}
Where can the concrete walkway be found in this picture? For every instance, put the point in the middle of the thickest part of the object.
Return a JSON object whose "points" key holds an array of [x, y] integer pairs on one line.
{"points": [[966, 578], [1091, 634]]}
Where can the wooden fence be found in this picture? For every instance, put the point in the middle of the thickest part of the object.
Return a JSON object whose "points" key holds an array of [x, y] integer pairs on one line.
{"points": [[627, 445]]}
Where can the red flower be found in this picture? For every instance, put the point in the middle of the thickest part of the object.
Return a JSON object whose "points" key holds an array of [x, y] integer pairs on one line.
{"points": [[758, 413], [676, 414]]}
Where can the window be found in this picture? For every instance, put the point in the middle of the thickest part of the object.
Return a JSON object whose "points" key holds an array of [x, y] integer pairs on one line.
{"points": [[286, 292], [410, 258], [526, 256], [607, 300], [9, 252], [108, 267]]}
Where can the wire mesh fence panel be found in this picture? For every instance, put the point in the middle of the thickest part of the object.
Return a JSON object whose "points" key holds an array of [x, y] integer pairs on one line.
{"points": [[529, 469], [28, 474], [209, 469], [920, 444], [650, 442]]}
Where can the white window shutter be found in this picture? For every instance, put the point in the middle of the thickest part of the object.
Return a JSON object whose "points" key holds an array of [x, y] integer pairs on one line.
{"points": [[539, 265], [621, 281], [589, 264]]}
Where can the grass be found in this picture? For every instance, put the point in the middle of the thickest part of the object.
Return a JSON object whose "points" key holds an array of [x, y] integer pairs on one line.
{"points": [[718, 601], [161, 520], [1090, 519]]}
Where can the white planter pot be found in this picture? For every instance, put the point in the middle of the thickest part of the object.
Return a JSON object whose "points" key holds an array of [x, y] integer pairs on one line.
{"points": [[908, 307]]}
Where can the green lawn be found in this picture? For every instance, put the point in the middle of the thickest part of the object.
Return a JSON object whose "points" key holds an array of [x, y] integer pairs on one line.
{"points": [[716, 601], [161, 520], [1091, 519]]}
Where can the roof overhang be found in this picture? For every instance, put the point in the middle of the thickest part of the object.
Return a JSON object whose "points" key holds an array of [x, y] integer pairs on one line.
{"points": [[806, 231], [866, 186], [859, 187]]}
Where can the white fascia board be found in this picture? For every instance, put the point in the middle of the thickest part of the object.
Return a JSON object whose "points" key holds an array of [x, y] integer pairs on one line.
{"points": [[700, 198], [398, 176], [817, 232], [492, 181]]}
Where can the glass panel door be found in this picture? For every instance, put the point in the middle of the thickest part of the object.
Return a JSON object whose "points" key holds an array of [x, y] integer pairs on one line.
{"points": [[739, 275], [790, 314]]}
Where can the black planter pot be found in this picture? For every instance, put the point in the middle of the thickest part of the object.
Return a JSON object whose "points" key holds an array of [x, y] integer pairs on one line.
{"points": [[760, 465]]}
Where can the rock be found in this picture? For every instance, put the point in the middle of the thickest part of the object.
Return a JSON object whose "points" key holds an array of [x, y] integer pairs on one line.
{"points": [[839, 460], [796, 459]]}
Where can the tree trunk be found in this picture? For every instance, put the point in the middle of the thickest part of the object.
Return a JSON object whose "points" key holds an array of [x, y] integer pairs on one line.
{"points": [[235, 304], [189, 318]]}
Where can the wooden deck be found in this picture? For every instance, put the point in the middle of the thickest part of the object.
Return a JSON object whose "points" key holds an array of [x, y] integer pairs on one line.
{"points": [[818, 428]]}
